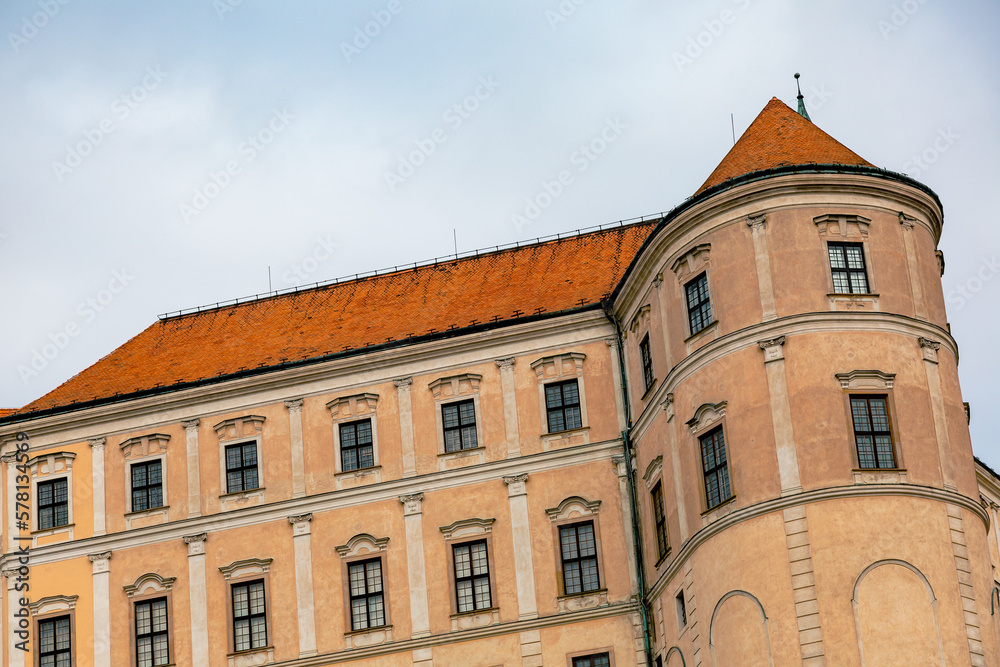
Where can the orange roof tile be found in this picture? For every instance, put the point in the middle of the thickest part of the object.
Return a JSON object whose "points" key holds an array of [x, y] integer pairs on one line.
{"points": [[780, 137], [7, 411], [504, 285]]}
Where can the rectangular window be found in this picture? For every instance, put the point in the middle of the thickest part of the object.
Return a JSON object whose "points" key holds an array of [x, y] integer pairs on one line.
{"points": [[595, 660], [647, 363], [682, 614], [356, 449], [579, 558], [147, 486], [713, 458], [53, 504], [367, 600], [241, 467], [660, 521], [459, 421], [249, 616], [871, 432], [472, 576], [847, 265], [562, 406], [151, 635], [55, 647], [699, 306]]}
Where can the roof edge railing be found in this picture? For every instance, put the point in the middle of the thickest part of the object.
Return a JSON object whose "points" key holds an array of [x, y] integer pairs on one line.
{"points": [[409, 266]]}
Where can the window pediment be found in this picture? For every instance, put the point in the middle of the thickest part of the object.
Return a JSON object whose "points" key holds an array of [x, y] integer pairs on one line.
{"points": [[362, 544], [838, 224], [53, 604], [455, 385], [51, 463], [691, 262], [706, 415], [348, 408], [145, 445], [653, 470], [248, 566], [467, 528], [149, 583], [241, 427], [569, 364], [573, 507], [870, 379]]}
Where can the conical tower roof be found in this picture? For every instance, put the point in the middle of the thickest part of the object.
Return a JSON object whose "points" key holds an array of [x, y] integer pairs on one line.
{"points": [[780, 137]]}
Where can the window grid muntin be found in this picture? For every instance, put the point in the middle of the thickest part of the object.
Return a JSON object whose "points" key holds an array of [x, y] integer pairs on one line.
{"points": [[593, 660], [698, 303], [53, 503], [366, 593], [847, 268], [578, 548], [472, 576], [357, 447], [872, 432], [241, 467], [55, 642], [151, 633], [147, 493], [715, 467], [646, 357], [660, 521], [562, 406], [458, 422], [249, 615]]}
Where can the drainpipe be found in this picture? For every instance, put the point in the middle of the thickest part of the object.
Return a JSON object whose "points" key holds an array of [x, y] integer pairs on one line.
{"points": [[633, 502]]}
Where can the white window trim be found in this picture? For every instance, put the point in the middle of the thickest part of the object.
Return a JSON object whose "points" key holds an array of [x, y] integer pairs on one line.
{"points": [[457, 389], [54, 473], [345, 410], [144, 449], [553, 369], [238, 431]]}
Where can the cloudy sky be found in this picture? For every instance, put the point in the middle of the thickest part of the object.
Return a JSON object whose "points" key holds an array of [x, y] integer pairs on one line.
{"points": [[162, 155]]}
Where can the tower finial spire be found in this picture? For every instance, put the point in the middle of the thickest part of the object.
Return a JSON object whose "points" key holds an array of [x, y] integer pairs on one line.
{"points": [[802, 103]]}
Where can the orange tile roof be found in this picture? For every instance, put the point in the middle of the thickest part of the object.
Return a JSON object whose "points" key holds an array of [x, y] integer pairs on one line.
{"points": [[780, 137], [7, 411], [500, 286]]}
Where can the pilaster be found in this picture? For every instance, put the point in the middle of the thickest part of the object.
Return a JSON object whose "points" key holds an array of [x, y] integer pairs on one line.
{"points": [[297, 449], [415, 568], [929, 352], [302, 546], [913, 268], [403, 387], [781, 415], [758, 223], [193, 469], [198, 587], [102, 608], [524, 573], [511, 428], [97, 471]]}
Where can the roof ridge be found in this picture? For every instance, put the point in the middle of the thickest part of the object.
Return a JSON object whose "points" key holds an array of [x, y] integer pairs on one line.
{"points": [[410, 266]]}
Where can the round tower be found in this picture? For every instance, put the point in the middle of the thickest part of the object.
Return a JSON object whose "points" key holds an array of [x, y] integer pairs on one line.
{"points": [[804, 472]]}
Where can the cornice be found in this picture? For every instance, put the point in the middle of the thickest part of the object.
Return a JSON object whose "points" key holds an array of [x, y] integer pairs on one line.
{"points": [[690, 223], [819, 495], [793, 325], [325, 502], [577, 328]]}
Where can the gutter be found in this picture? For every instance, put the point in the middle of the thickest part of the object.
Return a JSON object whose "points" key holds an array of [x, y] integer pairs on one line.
{"points": [[630, 476]]}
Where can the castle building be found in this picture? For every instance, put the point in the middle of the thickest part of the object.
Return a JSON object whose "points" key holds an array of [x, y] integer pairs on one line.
{"points": [[732, 435]]}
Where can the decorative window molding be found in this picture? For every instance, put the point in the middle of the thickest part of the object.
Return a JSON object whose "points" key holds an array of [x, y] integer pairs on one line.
{"points": [[552, 370], [344, 410], [691, 262], [150, 590], [51, 467], [149, 584], [467, 528], [573, 508], [53, 604], [706, 416], [653, 471], [862, 380], [246, 568], [640, 321], [241, 430], [454, 389], [141, 450], [362, 545], [471, 534], [842, 225], [365, 548]]}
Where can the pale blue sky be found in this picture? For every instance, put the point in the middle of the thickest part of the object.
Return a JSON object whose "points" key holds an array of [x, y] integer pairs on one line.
{"points": [[888, 79]]}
